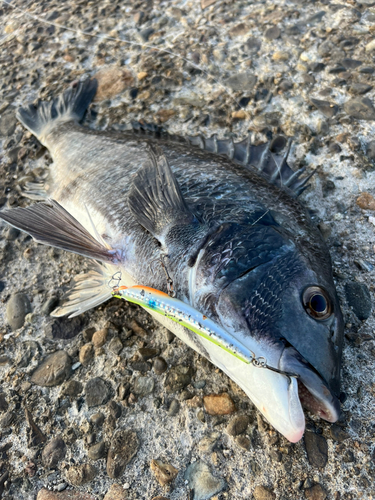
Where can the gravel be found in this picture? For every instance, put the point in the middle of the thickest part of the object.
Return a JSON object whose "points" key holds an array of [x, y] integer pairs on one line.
{"points": [[298, 68]]}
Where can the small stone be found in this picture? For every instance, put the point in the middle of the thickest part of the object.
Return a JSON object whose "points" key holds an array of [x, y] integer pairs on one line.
{"points": [[370, 150], [219, 404], [207, 3], [86, 354], [359, 299], [17, 307], [148, 353], [327, 108], [140, 366], [164, 115], [366, 201], [272, 33], [97, 419], [3, 402], [370, 46], [159, 365], [77, 475], [96, 451], [115, 409], [243, 442], [241, 81], [351, 63], [8, 122], [71, 388], [7, 420], [360, 88], [178, 378], [238, 425], [124, 446], [138, 330], [174, 408], [144, 386], [338, 433], [146, 33], [263, 493], [360, 108], [164, 473], [142, 75], [100, 337], [115, 346], [281, 55], [53, 452], [316, 449], [63, 495], [96, 392], [207, 443], [253, 44], [202, 482], [53, 370], [112, 81], [35, 436], [116, 492], [239, 115], [316, 492], [240, 29]]}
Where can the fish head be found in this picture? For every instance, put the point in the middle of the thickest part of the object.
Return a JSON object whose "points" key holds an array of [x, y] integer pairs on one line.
{"points": [[283, 306]]}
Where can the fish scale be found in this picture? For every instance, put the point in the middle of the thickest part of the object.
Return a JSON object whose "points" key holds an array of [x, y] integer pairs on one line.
{"points": [[217, 224]]}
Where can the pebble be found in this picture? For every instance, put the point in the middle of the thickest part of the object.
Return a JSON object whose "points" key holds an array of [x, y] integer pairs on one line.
{"points": [[207, 3], [360, 108], [144, 386], [272, 33], [370, 150], [174, 407], [338, 433], [148, 353], [86, 354], [146, 33], [112, 81], [97, 419], [163, 472], [316, 449], [351, 63], [219, 404], [316, 492], [178, 378], [263, 493], [8, 122], [370, 46], [241, 81], [77, 475], [63, 495], [96, 392], [366, 201], [17, 307], [115, 346], [99, 338], [207, 443], [202, 482], [96, 451], [71, 388], [53, 370], [360, 88], [240, 29], [238, 425], [116, 492], [359, 299], [138, 329], [253, 44], [53, 452], [124, 446], [159, 365], [243, 442], [3, 402], [328, 109]]}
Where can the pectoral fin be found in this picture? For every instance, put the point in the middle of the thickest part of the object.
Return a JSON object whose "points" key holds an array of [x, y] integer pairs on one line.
{"points": [[155, 198], [51, 224]]}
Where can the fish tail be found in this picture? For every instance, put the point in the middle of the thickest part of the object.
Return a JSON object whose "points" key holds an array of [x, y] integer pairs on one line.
{"points": [[71, 105]]}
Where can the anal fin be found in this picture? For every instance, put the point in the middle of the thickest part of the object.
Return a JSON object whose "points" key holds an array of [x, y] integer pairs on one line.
{"points": [[89, 290]]}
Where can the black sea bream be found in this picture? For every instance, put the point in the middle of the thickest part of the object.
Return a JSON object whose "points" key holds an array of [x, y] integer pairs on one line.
{"points": [[224, 220]]}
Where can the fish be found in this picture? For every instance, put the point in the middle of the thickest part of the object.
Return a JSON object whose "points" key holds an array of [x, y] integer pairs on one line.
{"points": [[214, 225]]}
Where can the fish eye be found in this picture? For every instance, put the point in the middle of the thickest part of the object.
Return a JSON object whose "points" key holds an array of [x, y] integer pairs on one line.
{"points": [[317, 302]]}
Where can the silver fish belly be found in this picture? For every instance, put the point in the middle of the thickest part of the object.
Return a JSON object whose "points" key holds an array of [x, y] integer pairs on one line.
{"points": [[236, 243]]}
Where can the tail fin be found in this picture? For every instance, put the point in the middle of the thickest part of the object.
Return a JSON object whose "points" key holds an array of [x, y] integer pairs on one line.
{"points": [[71, 105]]}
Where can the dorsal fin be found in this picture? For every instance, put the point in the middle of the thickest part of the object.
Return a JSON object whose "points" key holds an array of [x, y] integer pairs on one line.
{"points": [[269, 158], [155, 198]]}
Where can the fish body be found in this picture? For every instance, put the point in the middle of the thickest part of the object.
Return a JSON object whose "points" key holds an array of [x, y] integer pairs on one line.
{"points": [[237, 246]]}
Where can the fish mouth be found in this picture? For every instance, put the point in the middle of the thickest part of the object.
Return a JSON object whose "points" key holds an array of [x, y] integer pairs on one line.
{"points": [[313, 392]]}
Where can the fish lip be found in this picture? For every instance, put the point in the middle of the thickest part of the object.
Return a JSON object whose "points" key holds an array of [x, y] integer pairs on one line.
{"points": [[313, 392]]}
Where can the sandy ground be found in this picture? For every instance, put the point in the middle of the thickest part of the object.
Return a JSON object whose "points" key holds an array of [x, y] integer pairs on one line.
{"points": [[256, 68]]}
